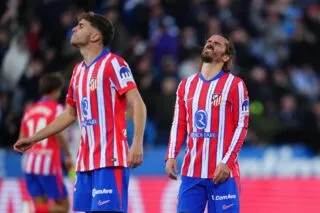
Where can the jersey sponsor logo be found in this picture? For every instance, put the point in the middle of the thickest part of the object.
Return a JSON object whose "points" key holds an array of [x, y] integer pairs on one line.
{"points": [[93, 84], [216, 99], [201, 119], [85, 113], [84, 106], [101, 191], [224, 197], [203, 134], [245, 106]]}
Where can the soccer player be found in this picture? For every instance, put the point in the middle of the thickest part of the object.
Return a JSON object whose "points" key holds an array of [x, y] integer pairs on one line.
{"points": [[212, 110], [42, 164], [100, 88]]}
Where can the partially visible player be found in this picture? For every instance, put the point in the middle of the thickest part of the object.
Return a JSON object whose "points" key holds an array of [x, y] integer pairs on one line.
{"points": [[42, 163], [100, 88], [212, 111]]}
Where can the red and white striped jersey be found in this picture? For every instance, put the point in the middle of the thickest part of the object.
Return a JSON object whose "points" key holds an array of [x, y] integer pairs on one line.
{"points": [[44, 157], [97, 93], [214, 114]]}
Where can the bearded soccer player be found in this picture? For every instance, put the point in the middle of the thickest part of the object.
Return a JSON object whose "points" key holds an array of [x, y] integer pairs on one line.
{"points": [[42, 164], [212, 110], [100, 88]]}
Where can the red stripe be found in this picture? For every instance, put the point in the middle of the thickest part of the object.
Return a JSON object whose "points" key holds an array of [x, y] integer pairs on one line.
{"points": [[192, 89], [109, 114], [215, 127], [118, 171], [229, 127], [95, 115], [41, 170], [201, 106]]}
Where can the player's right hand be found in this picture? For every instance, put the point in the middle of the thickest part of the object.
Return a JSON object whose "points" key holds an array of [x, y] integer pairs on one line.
{"points": [[22, 145], [171, 168]]}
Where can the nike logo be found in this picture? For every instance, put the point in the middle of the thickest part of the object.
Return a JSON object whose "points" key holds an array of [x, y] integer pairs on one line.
{"points": [[224, 207], [100, 203]]}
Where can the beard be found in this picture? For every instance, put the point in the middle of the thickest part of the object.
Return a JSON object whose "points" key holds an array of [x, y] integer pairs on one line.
{"points": [[206, 58]]}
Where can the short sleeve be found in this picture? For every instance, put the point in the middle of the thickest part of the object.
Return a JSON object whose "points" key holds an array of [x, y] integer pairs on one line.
{"points": [[70, 99], [121, 75]]}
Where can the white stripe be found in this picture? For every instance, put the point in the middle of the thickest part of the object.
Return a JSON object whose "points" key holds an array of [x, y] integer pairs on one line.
{"points": [[222, 117], [29, 163], [195, 103], [47, 162], [240, 126], [115, 148], [37, 164], [89, 117], [116, 66], [206, 142], [83, 129], [186, 93], [174, 127], [102, 113], [124, 153]]}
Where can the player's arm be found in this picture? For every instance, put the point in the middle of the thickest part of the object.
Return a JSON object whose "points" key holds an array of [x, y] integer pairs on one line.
{"points": [[139, 119], [67, 117], [240, 110], [177, 133], [240, 107]]}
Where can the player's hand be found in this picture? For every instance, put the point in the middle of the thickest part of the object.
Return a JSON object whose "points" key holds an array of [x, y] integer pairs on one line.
{"points": [[221, 174], [23, 145], [171, 168], [68, 163], [135, 155]]}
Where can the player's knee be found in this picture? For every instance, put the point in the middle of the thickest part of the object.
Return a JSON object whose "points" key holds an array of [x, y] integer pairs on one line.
{"points": [[64, 205]]}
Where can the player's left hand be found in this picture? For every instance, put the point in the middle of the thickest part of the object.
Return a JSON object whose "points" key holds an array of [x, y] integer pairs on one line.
{"points": [[221, 174], [135, 155]]}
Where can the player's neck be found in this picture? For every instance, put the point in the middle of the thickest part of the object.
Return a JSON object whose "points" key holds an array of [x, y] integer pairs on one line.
{"points": [[209, 70], [90, 53]]}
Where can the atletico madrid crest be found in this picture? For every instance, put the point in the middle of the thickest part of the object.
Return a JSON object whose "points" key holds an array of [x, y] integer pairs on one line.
{"points": [[93, 84], [216, 99]]}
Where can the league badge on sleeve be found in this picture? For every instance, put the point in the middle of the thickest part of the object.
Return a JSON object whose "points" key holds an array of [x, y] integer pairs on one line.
{"points": [[245, 106]]}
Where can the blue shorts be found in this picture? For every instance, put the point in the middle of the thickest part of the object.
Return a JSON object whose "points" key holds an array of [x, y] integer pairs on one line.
{"points": [[51, 186], [103, 189], [195, 193]]}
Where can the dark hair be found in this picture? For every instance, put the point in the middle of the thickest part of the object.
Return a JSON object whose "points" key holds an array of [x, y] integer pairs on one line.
{"points": [[50, 82], [230, 51], [102, 24]]}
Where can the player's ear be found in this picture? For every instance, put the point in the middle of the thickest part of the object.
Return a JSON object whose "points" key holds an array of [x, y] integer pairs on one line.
{"points": [[225, 58], [96, 36]]}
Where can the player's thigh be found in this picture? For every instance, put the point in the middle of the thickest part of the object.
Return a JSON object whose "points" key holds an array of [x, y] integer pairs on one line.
{"points": [[53, 186], [82, 192], [34, 185], [110, 189], [224, 197], [192, 196]]}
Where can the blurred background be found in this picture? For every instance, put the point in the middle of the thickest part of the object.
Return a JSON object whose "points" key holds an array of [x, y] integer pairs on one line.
{"points": [[278, 50]]}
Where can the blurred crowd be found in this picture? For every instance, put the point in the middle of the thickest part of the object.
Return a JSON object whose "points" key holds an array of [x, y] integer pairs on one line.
{"points": [[277, 44]]}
